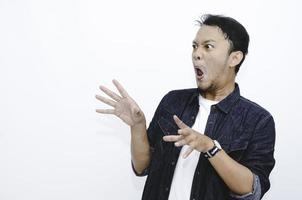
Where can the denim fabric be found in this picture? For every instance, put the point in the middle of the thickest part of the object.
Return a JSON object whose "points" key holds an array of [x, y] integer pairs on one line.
{"points": [[245, 131]]}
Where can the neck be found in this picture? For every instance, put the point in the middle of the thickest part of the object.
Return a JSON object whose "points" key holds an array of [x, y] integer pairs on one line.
{"points": [[219, 93]]}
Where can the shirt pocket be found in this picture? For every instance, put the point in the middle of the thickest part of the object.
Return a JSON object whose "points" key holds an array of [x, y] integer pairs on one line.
{"points": [[161, 147], [238, 143], [167, 127], [237, 149]]}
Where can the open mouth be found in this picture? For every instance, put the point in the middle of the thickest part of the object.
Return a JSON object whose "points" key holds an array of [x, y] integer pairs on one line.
{"points": [[199, 73]]}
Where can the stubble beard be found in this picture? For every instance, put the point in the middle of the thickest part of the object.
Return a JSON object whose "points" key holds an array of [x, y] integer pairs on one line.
{"points": [[206, 88]]}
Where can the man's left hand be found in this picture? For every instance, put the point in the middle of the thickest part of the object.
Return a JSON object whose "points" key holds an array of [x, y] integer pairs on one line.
{"points": [[190, 137]]}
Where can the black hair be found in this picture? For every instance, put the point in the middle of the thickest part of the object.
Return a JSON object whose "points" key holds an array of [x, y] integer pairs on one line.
{"points": [[233, 31]]}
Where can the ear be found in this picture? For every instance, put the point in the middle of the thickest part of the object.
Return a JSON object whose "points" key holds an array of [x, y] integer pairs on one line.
{"points": [[235, 58]]}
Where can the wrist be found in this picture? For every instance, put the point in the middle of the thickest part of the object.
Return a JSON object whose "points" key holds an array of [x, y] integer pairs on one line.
{"points": [[215, 149], [139, 126], [209, 145]]}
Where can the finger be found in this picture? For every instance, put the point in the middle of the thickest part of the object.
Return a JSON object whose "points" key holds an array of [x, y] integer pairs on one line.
{"points": [[120, 88], [188, 152], [105, 111], [105, 100], [172, 138], [184, 132], [113, 95], [179, 123], [181, 142]]}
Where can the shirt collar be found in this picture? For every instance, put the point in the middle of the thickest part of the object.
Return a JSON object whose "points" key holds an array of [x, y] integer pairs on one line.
{"points": [[225, 104]]}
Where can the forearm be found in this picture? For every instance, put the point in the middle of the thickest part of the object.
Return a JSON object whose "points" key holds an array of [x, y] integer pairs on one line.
{"points": [[237, 177], [140, 148]]}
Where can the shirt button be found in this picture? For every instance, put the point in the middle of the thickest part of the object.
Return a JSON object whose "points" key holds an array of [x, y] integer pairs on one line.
{"points": [[167, 189], [172, 163], [198, 173], [193, 117]]}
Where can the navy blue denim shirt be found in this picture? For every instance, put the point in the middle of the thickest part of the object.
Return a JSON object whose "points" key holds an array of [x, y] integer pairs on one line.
{"points": [[245, 131]]}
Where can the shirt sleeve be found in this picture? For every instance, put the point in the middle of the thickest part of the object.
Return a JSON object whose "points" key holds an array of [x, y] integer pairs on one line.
{"points": [[254, 195], [143, 173], [259, 156], [152, 135]]}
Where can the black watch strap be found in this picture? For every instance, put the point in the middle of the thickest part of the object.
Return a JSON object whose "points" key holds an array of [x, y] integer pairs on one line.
{"points": [[212, 152]]}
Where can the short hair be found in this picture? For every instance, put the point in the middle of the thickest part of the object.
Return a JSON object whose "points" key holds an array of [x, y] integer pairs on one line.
{"points": [[233, 31]]}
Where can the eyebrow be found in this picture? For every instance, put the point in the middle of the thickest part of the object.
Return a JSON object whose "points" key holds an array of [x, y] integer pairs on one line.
{"points": [[207, 41]]}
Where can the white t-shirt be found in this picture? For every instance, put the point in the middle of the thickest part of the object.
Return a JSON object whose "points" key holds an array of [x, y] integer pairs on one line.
{"points": [[185, 168]]}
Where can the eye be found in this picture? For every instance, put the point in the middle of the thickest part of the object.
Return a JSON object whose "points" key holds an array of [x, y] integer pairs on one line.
{"points": [[194, 46], [209, 46]]}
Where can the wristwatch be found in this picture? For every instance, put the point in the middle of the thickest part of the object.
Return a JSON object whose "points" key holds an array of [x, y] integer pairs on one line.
{"points": [[212, 152]]}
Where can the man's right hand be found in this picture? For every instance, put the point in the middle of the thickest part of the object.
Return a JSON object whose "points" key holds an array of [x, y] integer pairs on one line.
{"points": [[127, 109], [124, 106]]}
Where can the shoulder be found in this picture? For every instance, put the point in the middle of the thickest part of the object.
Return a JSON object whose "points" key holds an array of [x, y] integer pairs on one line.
{"points": [[253, 111], [253, 106], [180, 94], [175, 101]]}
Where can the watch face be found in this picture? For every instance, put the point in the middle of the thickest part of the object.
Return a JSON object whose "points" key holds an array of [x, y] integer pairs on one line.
{"points": [[217, 144]]}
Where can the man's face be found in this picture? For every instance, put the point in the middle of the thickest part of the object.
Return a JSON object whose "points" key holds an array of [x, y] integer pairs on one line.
{"points": [[210, 58]]}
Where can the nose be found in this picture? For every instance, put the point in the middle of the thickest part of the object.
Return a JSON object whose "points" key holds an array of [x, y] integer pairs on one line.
{"points": [[196, 55], [197, 58]]}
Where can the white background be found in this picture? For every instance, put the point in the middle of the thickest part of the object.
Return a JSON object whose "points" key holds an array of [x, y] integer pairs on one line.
{"points": [[55, 54]]}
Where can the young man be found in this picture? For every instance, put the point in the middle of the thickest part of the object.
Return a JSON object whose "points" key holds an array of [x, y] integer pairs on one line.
{"points": [[207, 142]]}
